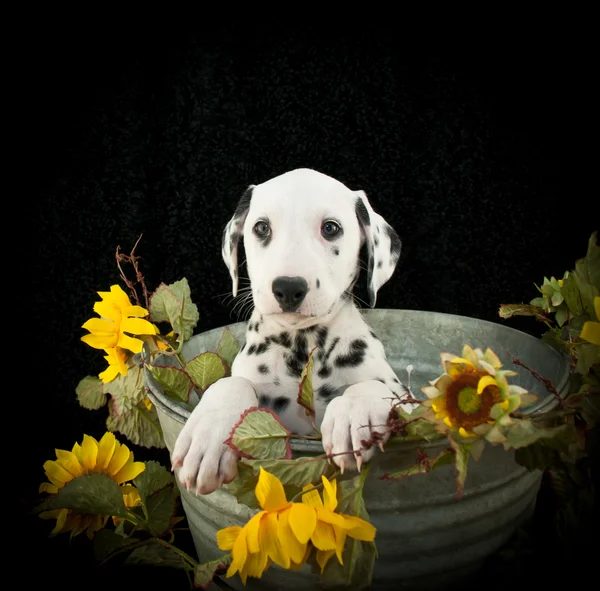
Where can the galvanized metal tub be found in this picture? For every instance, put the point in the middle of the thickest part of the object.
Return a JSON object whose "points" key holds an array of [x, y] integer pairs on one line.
{"points": [[425, 536]]}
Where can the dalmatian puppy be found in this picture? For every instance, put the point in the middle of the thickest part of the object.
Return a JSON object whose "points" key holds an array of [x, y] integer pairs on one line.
{"points": [[302, 235]]}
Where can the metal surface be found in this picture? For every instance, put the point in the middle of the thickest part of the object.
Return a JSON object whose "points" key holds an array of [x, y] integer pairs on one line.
{"points": [[425, 536]]}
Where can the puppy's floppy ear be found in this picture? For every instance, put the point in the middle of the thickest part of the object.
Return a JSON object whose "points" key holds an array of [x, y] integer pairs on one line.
{"points": [[383, 245], [231, 237]]}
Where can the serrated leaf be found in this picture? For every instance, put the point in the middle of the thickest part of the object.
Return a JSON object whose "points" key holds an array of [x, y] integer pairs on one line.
{"points": [[523, 433], [204, 573], [462, 452], [228, 348], [126, 391], [305, 388], [260, 435], [510, 310], [243, 485], [570, 292], [154, 478], [296, 472], [173, 304], [139, 424], [90, 393], [206, 369], [588, 355], [174, 381], [160, 509], [562, 315], [93, 494], [154, 553], [107, 542]]}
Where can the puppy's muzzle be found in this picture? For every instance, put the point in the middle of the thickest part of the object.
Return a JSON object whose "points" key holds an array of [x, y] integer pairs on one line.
{"points": [[289, 292]]}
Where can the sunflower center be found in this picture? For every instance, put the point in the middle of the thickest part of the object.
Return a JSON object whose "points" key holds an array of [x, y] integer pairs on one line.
{"points": [[469, 401]]}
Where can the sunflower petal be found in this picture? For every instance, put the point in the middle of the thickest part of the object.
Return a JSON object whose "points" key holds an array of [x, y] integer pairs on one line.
{"points": [[288, 540], [252, 529], [226, 537], [312, 498], [329, 493], [56, 473], [108, 311], [100, 342], [323, 557], [48, 488], [137, 326], [359, 528], [270, 543], [119, 458], [100, 327], [68, 460], [61, 519], [323, 538], [484, 382], [239, 554], [106, 448], [591, 332], [89, 452], [269, 492], [129, 471], [303, 520], [129, 343]]}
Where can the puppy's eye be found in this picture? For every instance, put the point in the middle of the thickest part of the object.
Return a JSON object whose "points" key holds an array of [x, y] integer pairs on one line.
{"points": [[262, 229], [329, 229]]}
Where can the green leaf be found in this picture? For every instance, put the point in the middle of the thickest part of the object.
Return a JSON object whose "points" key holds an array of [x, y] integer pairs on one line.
{"points": [[154, 478], [155, 553], [537, 456], [570, 292], [126, 391], [259, 434], [228, 348], [296, 472], [305, 388], [204, 573], [421, 430], [90, 393], [243, 485], [173, 304], [140, 425], [462, 453], [523, 433], [562, 315], [510, 310], [206, 369], [175, 382], [588, 355], [160, 509], [94, 494], [107, 542]]}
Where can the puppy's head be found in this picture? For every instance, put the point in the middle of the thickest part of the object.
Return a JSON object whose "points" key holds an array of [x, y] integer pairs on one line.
{"points": [[302, 235]]}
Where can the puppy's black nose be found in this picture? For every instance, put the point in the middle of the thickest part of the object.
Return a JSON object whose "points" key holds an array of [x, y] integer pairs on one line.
{"points": [[289, 292]]}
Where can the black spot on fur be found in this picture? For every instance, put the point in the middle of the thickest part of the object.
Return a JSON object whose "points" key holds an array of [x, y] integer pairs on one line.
{"points": [[355, 355], [379, 264], [264, 401], [335, 250], [380, 380], [318, 283], [375, 240], [362, 213], [396, 245], [262, 368], [322, 336], [276, 382], [280, 404], [283, 339], [262, 347], [308, 329], [243, 203], [396, 380], [251, 349], [374, 335], [326, 392], [242, 347], [324, 371]]}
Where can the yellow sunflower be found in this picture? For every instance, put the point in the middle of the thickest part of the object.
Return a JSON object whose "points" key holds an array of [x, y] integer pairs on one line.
{"points": [[473, 396], [119, 319], [285, 533], [117, 364], [591, 330], [106, 456]]}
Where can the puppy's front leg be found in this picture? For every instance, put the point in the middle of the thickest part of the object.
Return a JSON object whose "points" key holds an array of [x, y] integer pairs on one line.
{"points": [[204, 460], [359, 415]]}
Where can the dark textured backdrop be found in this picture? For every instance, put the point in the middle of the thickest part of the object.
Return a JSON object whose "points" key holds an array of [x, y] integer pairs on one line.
{"points": [[475, 156]]}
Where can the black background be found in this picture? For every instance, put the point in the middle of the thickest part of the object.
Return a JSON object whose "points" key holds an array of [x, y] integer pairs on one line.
{"points": [[475, 149]]}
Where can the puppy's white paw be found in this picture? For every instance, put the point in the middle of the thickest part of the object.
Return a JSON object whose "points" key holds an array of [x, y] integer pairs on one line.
{"points": [[359, 415], [204, 460]]}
